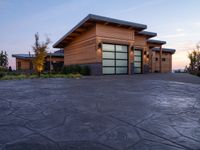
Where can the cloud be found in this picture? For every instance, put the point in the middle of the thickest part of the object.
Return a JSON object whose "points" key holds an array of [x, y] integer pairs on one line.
{"points": [[179, 30], [174, 35], [196, 24]]}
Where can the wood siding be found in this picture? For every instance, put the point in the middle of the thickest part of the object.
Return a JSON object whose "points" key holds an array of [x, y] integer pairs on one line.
{"points": [[114, 32], [140, 41], [82, 50], [25, 64], [166, 65]]}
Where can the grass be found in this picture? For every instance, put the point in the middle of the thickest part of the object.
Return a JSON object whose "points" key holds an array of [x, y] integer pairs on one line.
{"points": [[23, 76]]}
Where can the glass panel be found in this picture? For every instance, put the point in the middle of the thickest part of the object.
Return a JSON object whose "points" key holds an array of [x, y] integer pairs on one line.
{"points": [[121, 56], [121, 48], [108, 55], [121, 63], [138, 53], [137, 70], [121, 70], [108, 47], [108, 70], [108, 62], [137, 64], [136, 58]]}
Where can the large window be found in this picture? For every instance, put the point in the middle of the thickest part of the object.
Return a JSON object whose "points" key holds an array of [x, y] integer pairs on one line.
{"points": [[115, 59]]}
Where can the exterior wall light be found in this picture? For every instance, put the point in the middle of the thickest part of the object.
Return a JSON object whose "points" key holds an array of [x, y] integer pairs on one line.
{"points": [[132, 48], [100, 46], [145, 52]]}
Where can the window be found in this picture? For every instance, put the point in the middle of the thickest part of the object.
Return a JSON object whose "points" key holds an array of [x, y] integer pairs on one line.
{"points": [[156, 58], [163, 59], [19, 65]]}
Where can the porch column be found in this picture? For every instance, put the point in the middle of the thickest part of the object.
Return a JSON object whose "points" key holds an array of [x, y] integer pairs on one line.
{"points": [[161, 59]]}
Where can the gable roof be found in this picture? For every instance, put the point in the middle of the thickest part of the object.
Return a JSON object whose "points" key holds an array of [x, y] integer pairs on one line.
{"points": [[169, 50], [91, 18]]}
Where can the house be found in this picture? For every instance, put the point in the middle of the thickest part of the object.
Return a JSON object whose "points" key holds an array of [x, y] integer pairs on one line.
{"points": [[25, 61], [111, 46]]}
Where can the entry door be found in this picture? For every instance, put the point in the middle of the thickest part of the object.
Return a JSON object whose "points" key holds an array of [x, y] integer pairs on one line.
{"points": [[137, 61], [115, 59]]}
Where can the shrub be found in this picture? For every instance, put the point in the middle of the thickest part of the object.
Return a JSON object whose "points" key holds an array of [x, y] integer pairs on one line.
{"points": [[16, 77], [2, 74], [76, 69], [85, 70], [3, 69]]}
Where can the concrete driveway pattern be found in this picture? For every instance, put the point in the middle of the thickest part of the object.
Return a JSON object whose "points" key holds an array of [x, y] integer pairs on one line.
{"points": [[139, 112]]}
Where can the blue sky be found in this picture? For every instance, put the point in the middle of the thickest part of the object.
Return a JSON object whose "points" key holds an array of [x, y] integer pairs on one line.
{"points": [[176, 21]]}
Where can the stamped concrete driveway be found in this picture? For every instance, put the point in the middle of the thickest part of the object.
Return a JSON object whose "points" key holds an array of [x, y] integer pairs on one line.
{"points": [[140, 112]]}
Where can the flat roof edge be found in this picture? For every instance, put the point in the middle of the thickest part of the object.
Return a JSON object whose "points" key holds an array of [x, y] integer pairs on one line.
{"points": [[156, 41], [170, 50], [147, 33]]}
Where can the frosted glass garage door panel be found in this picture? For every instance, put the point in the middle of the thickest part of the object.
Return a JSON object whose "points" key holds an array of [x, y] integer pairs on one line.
{"points": [[108, 47], [121, 48], [137, 70], [137, 58], [108, 70], [109, 55], [137, 64], [121, 56], [138, 53], [121, 70], [108, 62], [121, 63]]}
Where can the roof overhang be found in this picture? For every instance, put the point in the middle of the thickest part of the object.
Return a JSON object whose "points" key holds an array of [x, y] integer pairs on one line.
{"points": [[168, 50], [147, 34], [23, 56], [156, 42], [91, 20]]}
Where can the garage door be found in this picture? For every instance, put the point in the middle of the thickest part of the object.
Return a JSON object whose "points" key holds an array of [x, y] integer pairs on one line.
{"points": [[137, 61], [115, 59]]}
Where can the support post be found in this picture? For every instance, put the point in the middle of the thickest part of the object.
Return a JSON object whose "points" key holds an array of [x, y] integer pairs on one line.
{"points": [[161, 59]]}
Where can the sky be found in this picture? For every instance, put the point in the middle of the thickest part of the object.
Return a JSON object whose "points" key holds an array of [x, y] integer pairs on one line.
{"points": [[175, 21]]}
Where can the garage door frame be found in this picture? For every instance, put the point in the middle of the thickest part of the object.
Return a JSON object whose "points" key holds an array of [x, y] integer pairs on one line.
{"points": [[115, 59]]}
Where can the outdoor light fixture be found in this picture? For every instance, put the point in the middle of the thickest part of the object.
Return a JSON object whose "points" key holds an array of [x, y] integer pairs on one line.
{"points": [[145, 52], [148, 56], [100, 46], [132, 48]]}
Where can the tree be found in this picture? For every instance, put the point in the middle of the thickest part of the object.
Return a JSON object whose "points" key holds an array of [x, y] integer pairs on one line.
{"points": [[40, 50], [3, 59], [194, 56]]}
